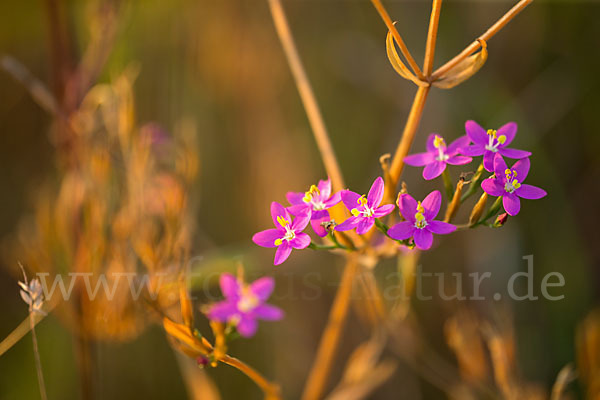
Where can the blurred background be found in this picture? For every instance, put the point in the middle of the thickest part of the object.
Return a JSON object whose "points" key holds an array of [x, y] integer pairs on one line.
{"points": [[218, 66]]}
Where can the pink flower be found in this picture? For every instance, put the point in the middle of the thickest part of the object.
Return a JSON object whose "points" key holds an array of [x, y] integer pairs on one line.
{"points": [[508, 183], [420, 223], [364, 209], [245, 304], [314, 202], [438, 155], [287, 234]]}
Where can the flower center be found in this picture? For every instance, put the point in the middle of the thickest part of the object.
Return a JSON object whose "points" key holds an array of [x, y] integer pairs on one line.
{"points": [[313, 197], [366, 210], [420, 221], [289, 233], [511, 182], [248, 301], [494, 140], [440, 145]]}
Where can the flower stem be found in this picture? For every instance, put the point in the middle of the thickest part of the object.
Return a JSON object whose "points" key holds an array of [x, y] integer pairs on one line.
{"points": [[307, 95], [390, 25], [474, 184], [408, 135], [436, 7], [270, 389], [331, 336], [475, 45], [38, 362], [448, 184], [491, 212]]}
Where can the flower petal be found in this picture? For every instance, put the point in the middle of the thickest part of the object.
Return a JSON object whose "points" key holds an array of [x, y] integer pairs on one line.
{"points": [[521, 167], [488, 160], [530, 192], [247, 326], [433, 170], [350, 199], [513, 153], [325, 188], [318, 217], [473, 150], [493, 186], [499, 166], [229, 286], [476, 133], [459, 160], [277, 210], [267, 238], [423, 239], [348, 224], [430, 144], [383, 210], [419, 159], [299, 209], [431, 204], [263, 287], [402, 230], [509, 130], [300, 222], [282, 253], [295, 198], [408, 207], [375, 193], [365, 225], [458, 144], [333, 200], [222, 311], [268, 312], [301, 241], [511, 203], [440, 227]]}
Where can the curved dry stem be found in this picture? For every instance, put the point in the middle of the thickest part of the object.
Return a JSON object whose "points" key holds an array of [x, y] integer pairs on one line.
{"points": [[270, 389], [506, 18], [307, 95], [331, 336], [390, 25]]}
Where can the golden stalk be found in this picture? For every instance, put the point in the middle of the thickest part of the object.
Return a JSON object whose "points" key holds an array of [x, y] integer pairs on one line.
{"points": [[307, 95], [470, 49], [271, 390], [436, 7], [331, 336]]}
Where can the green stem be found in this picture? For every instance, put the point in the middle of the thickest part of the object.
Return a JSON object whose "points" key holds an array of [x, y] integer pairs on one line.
{"points": [[336, 244], [474, 185], [448, 184]]}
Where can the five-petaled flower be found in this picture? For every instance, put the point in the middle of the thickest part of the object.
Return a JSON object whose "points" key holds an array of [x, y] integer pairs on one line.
{"points": [[420, 223], [364, 209], [492, 142], [287, 234], [315, 202], [438, 155], [244, 304], [508, 183]]}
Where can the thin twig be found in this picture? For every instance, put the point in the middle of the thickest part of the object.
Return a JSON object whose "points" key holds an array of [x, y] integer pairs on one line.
{"points": [[408, 135], [331, 336], [436, 7], [470, 49], [271, 390], [307, 95], [390, 25], [38, 362]]}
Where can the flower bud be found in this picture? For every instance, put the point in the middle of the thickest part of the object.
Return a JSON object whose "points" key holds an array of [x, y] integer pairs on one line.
{"points": [[478, 209], [500, 220]]}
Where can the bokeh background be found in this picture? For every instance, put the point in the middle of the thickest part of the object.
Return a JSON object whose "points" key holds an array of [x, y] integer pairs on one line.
{"points": [[220, 65]]}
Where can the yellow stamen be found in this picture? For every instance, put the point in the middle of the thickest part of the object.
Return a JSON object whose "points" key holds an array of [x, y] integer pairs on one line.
{"points": [[362, 200], [282, 221], [420, 207], [278, 242], [355, 212], [438, 142], [516, 184], [492, 133], [309, 195], [501, 139]]}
